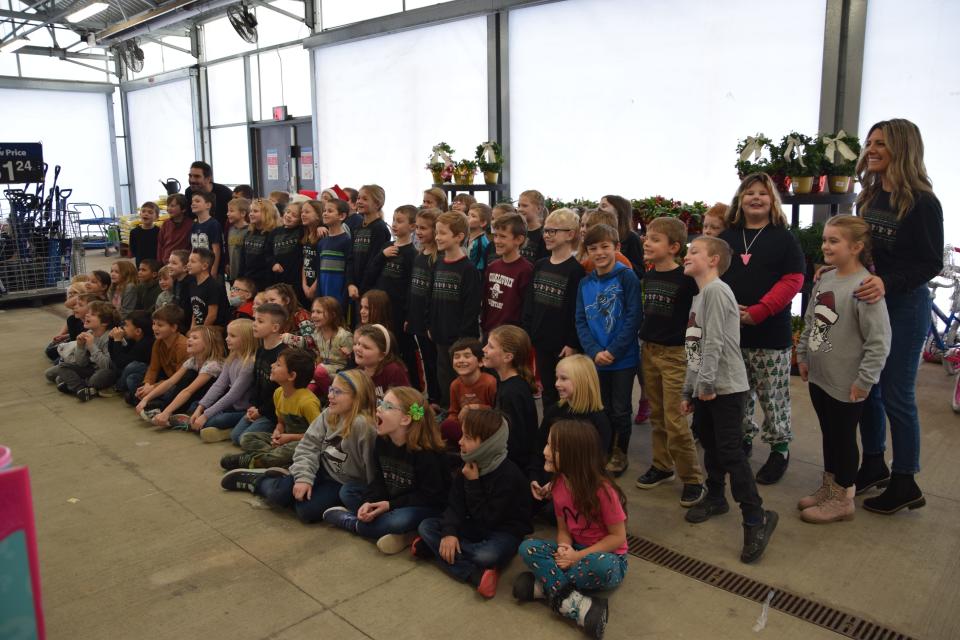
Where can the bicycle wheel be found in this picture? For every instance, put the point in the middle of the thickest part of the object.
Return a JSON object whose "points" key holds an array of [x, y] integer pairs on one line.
{"points": [[931, 352], [951, 359]]}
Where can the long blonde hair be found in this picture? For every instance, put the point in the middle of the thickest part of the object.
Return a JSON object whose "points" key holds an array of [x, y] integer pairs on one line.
{"points": [[736, 217], [586, 384], [128, 277], [212, 345], [360, 386], [246, 350], [906, 173], [423, 433], [269, 216]]}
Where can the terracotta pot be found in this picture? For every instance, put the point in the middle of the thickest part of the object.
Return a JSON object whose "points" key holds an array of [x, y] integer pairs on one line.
{"points": [[490, 177], [839, 184], [801, 184]]}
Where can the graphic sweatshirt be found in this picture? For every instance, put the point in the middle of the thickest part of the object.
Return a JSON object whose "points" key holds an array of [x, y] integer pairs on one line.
{"points": [[608, 316]]}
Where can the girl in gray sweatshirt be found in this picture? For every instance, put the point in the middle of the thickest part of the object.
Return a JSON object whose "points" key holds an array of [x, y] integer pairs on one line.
{"points": [[841, 353]]}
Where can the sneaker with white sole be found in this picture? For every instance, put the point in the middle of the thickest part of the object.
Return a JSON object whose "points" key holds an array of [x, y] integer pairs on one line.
{"points": [[654, 477], [149, 414], [241, 479], [342, 518], [393, 543], [692, 495]]}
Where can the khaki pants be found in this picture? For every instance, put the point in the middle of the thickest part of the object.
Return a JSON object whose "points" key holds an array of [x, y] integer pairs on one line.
{"points": [[664, 369]]}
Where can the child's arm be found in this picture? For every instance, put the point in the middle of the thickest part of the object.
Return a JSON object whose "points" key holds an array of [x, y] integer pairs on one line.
{"points": [[306, 457], [803, 342], [160, 388], [875, 329], [780, 295], [626, 339], [128, 300], [616, 537], [590, 346], [715, 306], [211, 318], [153, 369], [563, 534], [163, 418], [379, 238]]}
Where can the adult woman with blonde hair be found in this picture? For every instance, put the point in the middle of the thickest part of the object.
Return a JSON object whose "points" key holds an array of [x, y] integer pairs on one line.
{"points": [[765, 274], [906, 223]]}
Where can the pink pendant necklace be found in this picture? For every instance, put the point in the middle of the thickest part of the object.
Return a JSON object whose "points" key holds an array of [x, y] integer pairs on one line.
{"points": [[745, 256]]}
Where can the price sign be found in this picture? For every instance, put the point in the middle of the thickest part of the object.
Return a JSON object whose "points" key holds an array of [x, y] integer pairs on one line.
{"points": [[21, 162]]}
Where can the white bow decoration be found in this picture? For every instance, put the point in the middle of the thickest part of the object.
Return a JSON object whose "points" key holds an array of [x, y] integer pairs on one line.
{"points": [[488, 152], [793, 143], [837, 144], [440, 153], [754, 146]]}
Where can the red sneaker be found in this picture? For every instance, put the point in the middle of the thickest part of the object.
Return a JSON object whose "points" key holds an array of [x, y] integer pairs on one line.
{"points": [[643, 412], [488, 583]]}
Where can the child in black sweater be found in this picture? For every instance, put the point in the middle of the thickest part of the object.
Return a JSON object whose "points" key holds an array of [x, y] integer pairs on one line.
{"points": [[394, 266], [418, 300], [369, 238], [286, 249], [507, 352], [455, 296], [412, 480], [268, 322], [488, 511], [130, 347]]}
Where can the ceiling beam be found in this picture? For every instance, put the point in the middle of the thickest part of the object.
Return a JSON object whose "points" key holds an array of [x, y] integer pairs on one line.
{"points": [[144, 17]]}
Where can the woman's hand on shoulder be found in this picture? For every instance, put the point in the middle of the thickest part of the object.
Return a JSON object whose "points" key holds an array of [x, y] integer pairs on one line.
{"points": [[870, 290]]}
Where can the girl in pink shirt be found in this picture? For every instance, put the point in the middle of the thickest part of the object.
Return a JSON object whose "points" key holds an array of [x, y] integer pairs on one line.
{"points": [[590, 552]]}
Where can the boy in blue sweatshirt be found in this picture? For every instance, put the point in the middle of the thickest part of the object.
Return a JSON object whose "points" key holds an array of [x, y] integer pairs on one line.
{"points": [[608, 321]]}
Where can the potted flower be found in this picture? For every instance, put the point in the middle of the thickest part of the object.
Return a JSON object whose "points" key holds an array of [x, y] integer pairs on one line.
{"points": [[801, 160], [840, 160], [464, 171], [439, 160], [490, 160]]}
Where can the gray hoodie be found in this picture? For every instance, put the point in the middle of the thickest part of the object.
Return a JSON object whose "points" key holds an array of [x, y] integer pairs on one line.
{"points": [[714, 361], [344, 459], [844, 340]]}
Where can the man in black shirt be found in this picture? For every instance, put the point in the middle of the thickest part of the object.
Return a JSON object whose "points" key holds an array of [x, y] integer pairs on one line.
{"points": [[201, 179]]}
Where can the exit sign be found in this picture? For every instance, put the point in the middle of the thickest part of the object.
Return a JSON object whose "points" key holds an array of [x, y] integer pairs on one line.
{"points": [[279, 113]]}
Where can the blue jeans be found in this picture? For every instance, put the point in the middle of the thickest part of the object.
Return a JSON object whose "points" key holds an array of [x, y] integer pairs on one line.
{"points": [[132, 376], [260, 425], [399, 520], [223, 420], [279, 492], [616, 392], [493, 552], [597, 571], [895, 397]]}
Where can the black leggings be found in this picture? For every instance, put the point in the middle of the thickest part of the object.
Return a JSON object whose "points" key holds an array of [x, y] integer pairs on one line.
{"points": [[838, 422]]}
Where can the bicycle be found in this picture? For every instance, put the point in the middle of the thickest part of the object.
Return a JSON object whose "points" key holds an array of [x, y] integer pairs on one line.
{"points": [[938, 342]]}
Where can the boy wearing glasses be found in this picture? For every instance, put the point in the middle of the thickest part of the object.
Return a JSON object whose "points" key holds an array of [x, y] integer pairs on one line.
{"points": [[242, 292], [549, 312], [506, 280]]}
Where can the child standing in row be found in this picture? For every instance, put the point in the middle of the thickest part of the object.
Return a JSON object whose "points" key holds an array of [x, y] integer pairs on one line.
{"points": [[507, 279], [507, 352], [148, 289], [608, 320], [714, 391], [488, 510], [590, 552], [175, 232], [715, 220], [841, 353], [256, 258], [667, 295], [286, 252], [206, 232], [532, 206], [395, 265], [238, 213], [143, 237], [478, 249], [208, 299], [411, 483], [766, 273], [455, 296], [368, 240], [336, 450], [311, 217], [418, 300], [333, 253], [549, 313]]}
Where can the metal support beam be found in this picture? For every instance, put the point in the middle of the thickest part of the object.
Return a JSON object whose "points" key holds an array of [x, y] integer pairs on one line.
{"points": [[310, 14], [159, 41], [292, 16], [50, 18], [52, 52], [498, 87]]}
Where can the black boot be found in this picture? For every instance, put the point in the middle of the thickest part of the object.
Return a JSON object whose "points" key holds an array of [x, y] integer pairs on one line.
{"points": [[873, 473], [757, 536], [902, 492]]}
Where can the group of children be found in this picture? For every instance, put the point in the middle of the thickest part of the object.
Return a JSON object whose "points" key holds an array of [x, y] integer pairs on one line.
{"points": [[457, 332]]}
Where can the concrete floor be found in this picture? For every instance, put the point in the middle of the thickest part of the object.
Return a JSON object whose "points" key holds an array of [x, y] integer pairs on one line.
{"points": [[137, 540]]}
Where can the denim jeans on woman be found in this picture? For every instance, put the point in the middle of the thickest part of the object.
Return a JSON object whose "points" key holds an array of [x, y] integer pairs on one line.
{"points": [[895, 397]]}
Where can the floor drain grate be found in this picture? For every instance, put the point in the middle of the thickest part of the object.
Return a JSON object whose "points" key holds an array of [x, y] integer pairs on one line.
{"points": [[808, 610]]}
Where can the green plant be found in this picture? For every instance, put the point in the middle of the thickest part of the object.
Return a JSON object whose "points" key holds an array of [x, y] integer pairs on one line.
{"points": [[481, 157], [795, 147], [811, 242], [838, 147], [659, 207], [749, 155], [434, 162], [466, 166], [796, 324]]}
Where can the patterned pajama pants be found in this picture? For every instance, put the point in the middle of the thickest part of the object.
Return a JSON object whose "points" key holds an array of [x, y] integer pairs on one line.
{"points": [[595, 572], [768, 374]]}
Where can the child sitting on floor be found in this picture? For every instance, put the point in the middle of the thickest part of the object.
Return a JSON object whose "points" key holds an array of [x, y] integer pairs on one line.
{"points": [[412, 482], [130, 348], [122, 293], [334, 343], [168, 353], [165, 297], [473, 388], [148, 289], [488, 511], [268, 321], [87, 369]]}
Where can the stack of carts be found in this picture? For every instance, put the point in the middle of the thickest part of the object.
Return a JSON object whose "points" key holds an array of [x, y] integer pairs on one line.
{"points": [[40, 243]]}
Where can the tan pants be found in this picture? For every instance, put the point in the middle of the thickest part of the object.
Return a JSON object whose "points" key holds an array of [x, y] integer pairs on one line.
{"points": [[664, 369]]}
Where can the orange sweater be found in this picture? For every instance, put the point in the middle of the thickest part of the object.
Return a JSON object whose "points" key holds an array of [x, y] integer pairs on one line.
{"points": [[167, 356]]}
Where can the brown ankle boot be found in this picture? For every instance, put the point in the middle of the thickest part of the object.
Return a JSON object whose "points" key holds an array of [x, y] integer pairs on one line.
{"points": [[839, 505], [817, 496]]}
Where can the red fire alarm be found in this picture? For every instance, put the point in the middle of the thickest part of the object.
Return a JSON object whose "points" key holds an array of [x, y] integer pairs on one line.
{"points": [[280, 113]]}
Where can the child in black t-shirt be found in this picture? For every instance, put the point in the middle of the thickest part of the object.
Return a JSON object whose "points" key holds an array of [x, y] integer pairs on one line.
{"points": [[207, 232], [508, 353], [208, 298], [143, 238], [394, 266]]}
